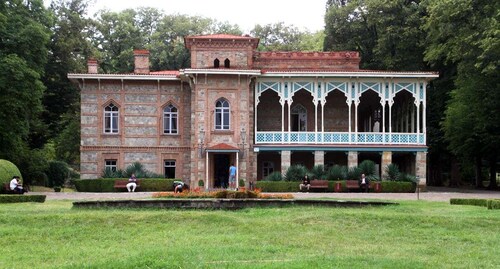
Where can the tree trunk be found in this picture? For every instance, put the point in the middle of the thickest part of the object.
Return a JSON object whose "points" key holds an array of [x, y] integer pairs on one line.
{"points": [[455, 173], [479, 180], [493, 173]]}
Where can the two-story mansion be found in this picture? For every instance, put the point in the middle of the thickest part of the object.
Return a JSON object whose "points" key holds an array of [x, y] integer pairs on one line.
{"points": [[261, 111]]}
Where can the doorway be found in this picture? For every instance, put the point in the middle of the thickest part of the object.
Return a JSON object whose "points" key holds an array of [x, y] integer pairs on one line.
{"points": [[221, 170]]}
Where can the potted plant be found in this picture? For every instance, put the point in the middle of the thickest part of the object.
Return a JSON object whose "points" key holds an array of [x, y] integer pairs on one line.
{"points": [[241, 184]]}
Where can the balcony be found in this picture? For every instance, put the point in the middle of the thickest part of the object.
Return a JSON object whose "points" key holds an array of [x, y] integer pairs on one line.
{"points": [[326, 138]]}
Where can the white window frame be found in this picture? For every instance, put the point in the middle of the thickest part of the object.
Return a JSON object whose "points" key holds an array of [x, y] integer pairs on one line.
{"points": [[111, 164], [168, 120], [222, 110], [111, 113]]}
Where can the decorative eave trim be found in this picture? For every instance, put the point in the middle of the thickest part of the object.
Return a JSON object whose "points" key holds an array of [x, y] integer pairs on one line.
{"points": [[220, 72], [320, 74], [122, 77], [343, 148]]}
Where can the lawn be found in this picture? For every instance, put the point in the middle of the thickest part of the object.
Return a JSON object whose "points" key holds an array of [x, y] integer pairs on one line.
{"points": [[414, 234]]}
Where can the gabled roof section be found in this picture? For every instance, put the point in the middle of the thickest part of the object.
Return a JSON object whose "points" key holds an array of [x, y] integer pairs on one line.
{"points": [[222, 147], [216, 40]]}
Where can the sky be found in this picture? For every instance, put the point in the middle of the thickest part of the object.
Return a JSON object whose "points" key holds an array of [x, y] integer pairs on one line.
{"points": [[306, 15]]}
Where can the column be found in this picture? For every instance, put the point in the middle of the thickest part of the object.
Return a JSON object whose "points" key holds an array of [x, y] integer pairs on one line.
{"points": [[352, 159], [319, 157], [286, 158], [386, 160], [421, 169]]}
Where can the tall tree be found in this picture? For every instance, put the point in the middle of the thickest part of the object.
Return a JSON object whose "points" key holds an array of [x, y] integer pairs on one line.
{"points": [[465, 33], [24, 35], [278, 37]]}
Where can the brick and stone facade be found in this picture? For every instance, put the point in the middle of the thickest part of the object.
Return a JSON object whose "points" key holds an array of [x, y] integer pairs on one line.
{"points": [[261, 111]]}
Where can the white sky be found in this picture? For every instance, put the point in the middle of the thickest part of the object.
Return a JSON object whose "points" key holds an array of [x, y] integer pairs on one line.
{"points": [[302, 14]]}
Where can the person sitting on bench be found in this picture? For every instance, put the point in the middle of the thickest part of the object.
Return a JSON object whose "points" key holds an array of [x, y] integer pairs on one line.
{"points": [[305, 183], [364, 183], [132, 183], [16, 186]]}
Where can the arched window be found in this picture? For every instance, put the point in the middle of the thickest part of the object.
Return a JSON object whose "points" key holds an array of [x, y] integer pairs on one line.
{"points": [[222, 114], [299, 118], [111, 115], [216, 63], [170, 119], [227, 63]]}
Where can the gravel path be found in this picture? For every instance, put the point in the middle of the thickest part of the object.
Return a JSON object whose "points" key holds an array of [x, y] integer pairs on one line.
{"points": [[433, 194]]}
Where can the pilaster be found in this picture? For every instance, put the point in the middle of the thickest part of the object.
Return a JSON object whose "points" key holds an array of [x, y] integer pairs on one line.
{"points": [[352, 159], [421, 168], [386, 160], [286, 157], [319, 157]]}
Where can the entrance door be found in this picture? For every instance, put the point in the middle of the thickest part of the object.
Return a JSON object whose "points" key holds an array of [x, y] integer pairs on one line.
{"points": [[221, 170]]}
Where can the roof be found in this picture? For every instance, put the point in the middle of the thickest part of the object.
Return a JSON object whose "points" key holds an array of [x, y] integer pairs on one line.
{"points": [[222, 147], [220, 36], [345, 73]]}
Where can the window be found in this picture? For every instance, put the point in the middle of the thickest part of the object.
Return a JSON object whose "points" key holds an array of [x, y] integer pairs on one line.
{"points": [[299, 118], [222, 114], [110, 165], [267, 169], [170, 120], [227, 63], [169, 169], [111, 119], [216, 63]]}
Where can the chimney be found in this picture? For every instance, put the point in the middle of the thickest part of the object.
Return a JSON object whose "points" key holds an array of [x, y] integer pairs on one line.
{"points": [[141, 61], [92, 66]]}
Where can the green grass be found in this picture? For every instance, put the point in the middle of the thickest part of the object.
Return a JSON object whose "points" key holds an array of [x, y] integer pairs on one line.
{"points": [[414, 234]]}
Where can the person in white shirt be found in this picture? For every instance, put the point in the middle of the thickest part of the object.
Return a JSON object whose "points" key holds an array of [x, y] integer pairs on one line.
{"points": [[16, 186], [132, 183]]}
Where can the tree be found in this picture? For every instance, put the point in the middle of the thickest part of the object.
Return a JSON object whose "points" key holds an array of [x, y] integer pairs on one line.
{"points": [[24, 35], [465, 33], [278, 37], [386, 33]]}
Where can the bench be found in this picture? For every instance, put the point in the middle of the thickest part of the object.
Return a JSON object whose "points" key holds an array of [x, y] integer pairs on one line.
{"points": [[319, 184], [122, 184], [7, 190], [352, 184]]}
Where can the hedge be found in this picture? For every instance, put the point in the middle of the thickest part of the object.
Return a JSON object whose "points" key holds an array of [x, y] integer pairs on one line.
{"points": [[493, 204], [461, 201], [17, 198], [291, 186], [107, 184]]}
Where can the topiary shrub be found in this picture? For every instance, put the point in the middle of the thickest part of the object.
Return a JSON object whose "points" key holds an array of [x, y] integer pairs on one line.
{"points": [[57, 172], [367, 167], [395, 186], [295, 173], [7, 171], [274, 176]]}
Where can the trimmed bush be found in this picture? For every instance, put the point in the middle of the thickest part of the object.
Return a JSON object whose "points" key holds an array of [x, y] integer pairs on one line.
{"points": [[107, 184], [395, 186], [277, 186], [57, 172], [7, 171], [392, 172], [354, 173], [318, 172], [16, 198], [475, 202], [493, 204]]}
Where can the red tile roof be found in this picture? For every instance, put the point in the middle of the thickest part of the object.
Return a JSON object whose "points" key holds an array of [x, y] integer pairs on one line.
{"points": [[222, 146], [165, 72]]}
